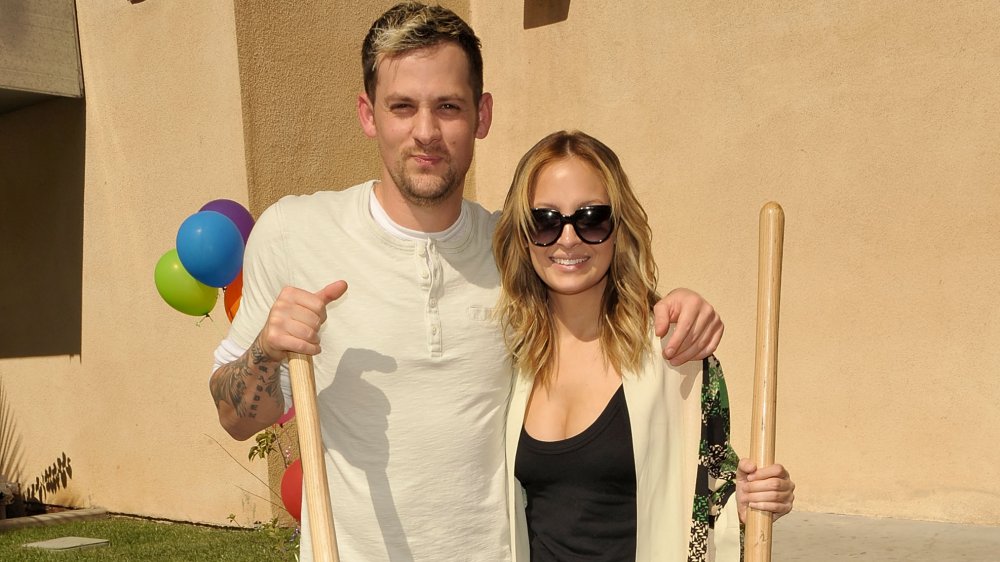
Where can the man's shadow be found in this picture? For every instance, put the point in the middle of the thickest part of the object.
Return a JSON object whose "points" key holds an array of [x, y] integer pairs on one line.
{"points": [[357, 430]]}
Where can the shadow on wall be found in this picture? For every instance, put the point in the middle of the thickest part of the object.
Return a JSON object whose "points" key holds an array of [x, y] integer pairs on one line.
{"points": [[538, 13], [11, 451], [41, 234], [31, 494], [55, 477]]}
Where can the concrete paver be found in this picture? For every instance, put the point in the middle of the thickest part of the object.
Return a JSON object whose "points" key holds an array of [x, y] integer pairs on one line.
{"points": [[819, 537], [68, 543]]}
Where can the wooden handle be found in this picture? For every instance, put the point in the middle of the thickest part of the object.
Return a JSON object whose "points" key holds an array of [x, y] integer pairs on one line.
{"points": [[772, 232], [311, 451]]}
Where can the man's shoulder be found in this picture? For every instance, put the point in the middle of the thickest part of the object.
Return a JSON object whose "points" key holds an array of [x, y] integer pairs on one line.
{"points": [[322, 198], [320, 205], [477, 208], [481, 216], [300, 213]]}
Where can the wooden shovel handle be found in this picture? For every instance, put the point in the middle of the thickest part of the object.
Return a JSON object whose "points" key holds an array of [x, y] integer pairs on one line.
{"points": [[772, 231], [311, 450]]}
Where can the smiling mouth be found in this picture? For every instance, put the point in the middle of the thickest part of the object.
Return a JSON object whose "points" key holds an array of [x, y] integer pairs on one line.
{"points": [[426, 157], [426, 160], [567, 261]]}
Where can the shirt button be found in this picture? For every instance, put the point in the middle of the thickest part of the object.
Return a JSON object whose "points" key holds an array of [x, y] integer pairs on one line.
{"points": [[423, 275], [433, 302], [434, 330]]}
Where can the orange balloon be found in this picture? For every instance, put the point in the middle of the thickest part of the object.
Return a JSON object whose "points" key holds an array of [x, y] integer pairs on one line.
{"points": [[231, 311], [233, 294]]}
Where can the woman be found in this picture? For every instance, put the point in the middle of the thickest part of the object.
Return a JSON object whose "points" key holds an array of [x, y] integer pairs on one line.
{"points": [[617, 454]]}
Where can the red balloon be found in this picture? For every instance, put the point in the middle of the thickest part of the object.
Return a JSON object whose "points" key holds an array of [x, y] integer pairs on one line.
{"points": [[287, 415], [291, 490], [232, 295]]}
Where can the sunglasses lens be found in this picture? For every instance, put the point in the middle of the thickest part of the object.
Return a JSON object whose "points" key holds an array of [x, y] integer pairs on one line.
{"points": [[593, 224], [547, 226]]}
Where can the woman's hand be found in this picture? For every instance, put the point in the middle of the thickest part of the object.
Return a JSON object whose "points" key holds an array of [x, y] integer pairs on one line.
{"points": [[766, 489]]}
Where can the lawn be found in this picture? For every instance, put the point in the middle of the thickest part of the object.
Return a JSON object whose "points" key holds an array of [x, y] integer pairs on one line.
{"points": [[141, 540]]}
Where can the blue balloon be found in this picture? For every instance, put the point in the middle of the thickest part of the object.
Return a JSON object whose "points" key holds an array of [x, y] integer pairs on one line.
{"points": [[210, 247]]}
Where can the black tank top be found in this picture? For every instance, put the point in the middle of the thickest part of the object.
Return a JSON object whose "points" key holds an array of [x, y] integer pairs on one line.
{"points": [[581, 490]]}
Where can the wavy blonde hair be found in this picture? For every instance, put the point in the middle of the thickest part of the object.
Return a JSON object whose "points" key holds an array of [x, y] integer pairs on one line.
{"points": [[629, 296]]}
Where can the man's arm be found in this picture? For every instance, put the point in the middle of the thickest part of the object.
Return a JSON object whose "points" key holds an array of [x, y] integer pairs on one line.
{"points": [[247, 393], [699, 328]]}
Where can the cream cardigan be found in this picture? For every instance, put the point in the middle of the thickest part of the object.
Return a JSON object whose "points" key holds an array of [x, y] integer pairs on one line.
{"points": [[664, 406]]}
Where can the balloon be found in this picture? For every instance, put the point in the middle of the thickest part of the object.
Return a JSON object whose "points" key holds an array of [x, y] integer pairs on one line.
{"points": [[210, 247], [233, 211], [287, 415], [180, 290], [233, 308], [232, 295], [291, 490]]}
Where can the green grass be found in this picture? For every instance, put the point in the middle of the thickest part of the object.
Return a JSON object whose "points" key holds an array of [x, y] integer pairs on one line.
{"points": [[141, 540]]}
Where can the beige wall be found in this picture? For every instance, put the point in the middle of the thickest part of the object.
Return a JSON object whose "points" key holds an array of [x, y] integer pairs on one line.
{"points": [[130, 406], [877, 127]]}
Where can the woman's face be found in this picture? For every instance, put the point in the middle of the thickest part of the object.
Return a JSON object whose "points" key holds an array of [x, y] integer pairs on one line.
{"points": [[571, 266]]}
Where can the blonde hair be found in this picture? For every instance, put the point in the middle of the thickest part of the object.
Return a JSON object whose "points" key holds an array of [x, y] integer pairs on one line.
{"points": [[409, 26], [629, 295]]}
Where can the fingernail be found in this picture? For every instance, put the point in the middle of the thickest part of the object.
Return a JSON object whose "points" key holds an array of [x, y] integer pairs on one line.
{"points": [[671, 351]]}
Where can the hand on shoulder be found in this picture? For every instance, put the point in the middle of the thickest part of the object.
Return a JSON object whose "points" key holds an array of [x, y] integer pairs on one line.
{"points": [[699, 328]]}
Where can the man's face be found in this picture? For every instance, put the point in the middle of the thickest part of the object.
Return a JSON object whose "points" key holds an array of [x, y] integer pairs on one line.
{"points": [[426, 122]]}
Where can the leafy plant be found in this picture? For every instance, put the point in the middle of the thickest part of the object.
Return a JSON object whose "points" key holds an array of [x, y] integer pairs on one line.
{"points": [[274, 440]]}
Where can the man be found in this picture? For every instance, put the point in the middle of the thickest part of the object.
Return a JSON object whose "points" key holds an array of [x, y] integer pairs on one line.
{"points": [[413, 379]]}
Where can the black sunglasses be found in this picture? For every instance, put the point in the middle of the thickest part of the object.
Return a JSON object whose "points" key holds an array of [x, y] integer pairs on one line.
{"points": [[592, 224]]}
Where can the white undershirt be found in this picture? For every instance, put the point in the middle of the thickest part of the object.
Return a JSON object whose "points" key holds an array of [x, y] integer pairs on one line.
{"points": [[390, 226]]}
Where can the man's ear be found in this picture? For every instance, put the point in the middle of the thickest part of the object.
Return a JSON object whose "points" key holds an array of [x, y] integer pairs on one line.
{"points": [[485, 112], [366, 115]]}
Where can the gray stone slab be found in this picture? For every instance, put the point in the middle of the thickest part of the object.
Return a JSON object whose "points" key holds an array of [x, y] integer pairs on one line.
{"points": [[68, 543], [823, 537]]}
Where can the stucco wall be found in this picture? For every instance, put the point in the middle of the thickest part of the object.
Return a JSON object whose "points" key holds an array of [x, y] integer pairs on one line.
{"points": [[130, 407], [877, 127]]}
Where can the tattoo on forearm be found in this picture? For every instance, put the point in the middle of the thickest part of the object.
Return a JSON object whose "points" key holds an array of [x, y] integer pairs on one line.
{"points": [[231, 383]]}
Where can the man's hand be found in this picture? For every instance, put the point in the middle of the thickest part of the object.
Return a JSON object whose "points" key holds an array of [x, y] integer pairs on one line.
{"points": [[699, 328], [766, 489], [295, 319]]}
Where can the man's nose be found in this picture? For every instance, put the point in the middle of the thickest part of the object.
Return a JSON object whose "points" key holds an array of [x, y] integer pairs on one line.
{"points": [[426, 128]]}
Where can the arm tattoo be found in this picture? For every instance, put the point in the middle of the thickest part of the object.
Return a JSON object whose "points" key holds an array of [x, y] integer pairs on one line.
{"points": [[231, 384]]}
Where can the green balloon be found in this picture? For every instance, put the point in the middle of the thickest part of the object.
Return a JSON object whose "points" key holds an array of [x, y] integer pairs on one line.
{"points": [[181, 291]]}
